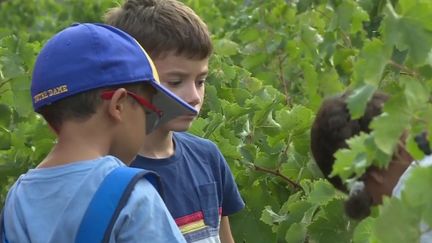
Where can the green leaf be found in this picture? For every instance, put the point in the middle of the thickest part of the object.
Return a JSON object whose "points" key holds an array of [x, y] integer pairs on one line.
{"points": [[270, 126], [311, 84], [233, 110], [291, 168], [296, 211], [322, 193], [416, 192], [266, 160], [252, 84], [303, 6], [370, 66], [395, 113], [404, 226], [420, 11], [417, 95], [301, 142], [351, 17], [270, 217], [343, 58], [249, 35], [364, 231], [413, 149], [358, 100], [5, 115], [215, 121], [225, 47], [228, 149], [21, 94], [408, 32], [241, 95], [5, 139], [310, 36], [253, 60], [249, 152], [352, 161], [198, 126], [250, 228], [332, 226], [296, 120], [330, 84], [296, 233], [212, 99]]}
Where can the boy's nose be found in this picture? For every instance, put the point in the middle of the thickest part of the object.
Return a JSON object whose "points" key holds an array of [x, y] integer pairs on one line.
{"points": [[193, 97]]}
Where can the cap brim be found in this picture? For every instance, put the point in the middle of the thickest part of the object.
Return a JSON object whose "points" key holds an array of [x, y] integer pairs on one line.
{"points": [[170, 105]]}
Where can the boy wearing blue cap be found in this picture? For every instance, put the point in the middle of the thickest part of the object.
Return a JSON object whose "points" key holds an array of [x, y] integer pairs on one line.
{"points": [[200, 190], [98, 90]]}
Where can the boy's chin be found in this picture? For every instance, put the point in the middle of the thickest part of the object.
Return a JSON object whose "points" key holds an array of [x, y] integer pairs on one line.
{"points": [[180, 126]]}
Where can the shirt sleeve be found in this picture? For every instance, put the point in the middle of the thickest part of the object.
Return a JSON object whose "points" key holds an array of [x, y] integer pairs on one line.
{"points": [[231, 198], [145, 218]]}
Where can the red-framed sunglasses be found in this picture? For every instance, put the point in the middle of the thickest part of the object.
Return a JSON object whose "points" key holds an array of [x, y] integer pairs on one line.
{"points": [[108, 94]]}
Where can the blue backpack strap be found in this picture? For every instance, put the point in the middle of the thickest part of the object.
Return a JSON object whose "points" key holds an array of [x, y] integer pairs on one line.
{"points": [[2, 228], [109, 199]]}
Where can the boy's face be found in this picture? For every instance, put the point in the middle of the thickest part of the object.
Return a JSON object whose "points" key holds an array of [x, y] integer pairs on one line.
{"points": [[185, 77], [132, 130]]}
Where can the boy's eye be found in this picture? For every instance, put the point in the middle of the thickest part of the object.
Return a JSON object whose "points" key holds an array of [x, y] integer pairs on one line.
{"points": [[174, 83], [200, 82]]}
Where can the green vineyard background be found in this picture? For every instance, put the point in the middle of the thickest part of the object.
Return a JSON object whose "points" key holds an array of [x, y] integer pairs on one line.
{"points": [[273, 64]]}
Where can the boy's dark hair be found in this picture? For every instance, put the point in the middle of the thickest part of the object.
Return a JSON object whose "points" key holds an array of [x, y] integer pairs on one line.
{"points": [[333, 126], [163, 26], [77, 107], [82, 106]]}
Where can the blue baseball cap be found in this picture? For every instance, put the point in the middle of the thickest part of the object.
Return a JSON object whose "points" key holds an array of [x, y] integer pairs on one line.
{"points": [[87, 56]]}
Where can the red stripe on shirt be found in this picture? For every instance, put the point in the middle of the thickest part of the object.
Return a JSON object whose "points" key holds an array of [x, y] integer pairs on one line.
{"points": [[192, 217], [189, 218]]}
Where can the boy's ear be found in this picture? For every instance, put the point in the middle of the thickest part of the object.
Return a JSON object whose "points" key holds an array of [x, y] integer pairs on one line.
{"points": [[117, 104]]}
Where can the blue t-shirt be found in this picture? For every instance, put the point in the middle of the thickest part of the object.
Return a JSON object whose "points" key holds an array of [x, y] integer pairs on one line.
{"points": [[47, 205], [198, 186]]}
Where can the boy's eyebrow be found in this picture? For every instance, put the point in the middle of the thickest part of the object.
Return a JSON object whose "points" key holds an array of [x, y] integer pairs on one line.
{"points": [[181, 73]]}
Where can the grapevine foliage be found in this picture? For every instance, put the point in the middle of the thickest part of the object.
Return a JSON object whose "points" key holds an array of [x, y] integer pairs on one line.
{"points": [[273, 64]]}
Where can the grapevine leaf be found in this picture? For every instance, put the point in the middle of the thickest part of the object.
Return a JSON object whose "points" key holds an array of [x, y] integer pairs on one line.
{"points": [[332, 225], [358, 100], [404, 227], [296, 233], [322, 193]]}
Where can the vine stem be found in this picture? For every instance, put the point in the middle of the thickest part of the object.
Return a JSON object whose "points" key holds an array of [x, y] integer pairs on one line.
{"points": [[403, 68], [282, 79], [3, 83], [277, 173], [4, 91]]}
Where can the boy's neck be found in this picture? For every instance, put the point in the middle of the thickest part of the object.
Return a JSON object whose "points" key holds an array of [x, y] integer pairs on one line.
{"points": [[77, 142], [158, 145]]}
